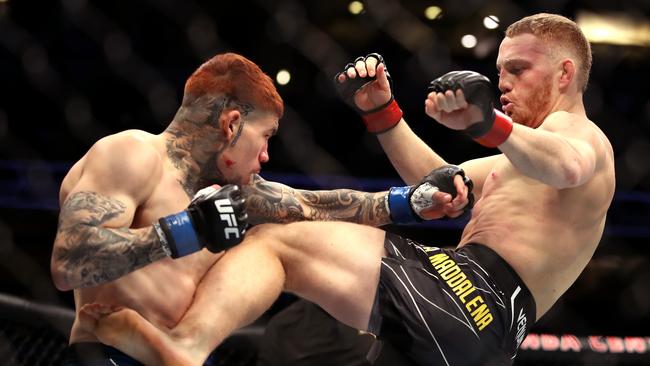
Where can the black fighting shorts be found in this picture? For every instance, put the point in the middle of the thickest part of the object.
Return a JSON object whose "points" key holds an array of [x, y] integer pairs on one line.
{"points": [[450, 307]]}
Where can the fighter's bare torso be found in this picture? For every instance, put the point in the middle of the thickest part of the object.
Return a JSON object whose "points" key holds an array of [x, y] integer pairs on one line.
{"points": [[547, 235], [161, 291]]}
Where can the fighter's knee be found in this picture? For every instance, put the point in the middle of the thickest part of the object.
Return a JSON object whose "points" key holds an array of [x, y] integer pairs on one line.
{"points": [[263, 230], [280, 239], [267, 237]]}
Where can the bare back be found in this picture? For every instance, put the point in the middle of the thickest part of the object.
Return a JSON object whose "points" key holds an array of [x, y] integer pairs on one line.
{"points": [[547, 235], [161, 291]]}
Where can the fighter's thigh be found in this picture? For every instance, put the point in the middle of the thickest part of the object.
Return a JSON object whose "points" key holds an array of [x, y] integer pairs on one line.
{"points": [[334, 264]]}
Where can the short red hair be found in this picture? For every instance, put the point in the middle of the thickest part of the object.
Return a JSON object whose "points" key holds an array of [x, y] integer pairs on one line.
{"points": [[239, 78], [558, 31]]}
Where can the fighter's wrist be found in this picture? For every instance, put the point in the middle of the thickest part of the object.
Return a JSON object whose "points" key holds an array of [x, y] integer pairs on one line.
{"points": [[162, 239], [399, 206], [382, 118], [179, 234], [493, 131]]}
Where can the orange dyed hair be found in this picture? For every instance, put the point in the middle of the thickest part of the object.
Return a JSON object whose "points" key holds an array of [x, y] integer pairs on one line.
{"points": [[556, 30], [239, 78]]}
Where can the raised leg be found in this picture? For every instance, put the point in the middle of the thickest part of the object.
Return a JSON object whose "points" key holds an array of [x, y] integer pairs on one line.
{"points": [[333, 264]]}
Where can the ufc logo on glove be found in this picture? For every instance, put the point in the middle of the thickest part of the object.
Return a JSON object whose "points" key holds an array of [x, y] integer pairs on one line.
{"points": [[227, 215], [210, 221]]}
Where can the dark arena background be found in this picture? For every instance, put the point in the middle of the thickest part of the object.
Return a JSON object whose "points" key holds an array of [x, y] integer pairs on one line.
{"points": [[72, 71]]}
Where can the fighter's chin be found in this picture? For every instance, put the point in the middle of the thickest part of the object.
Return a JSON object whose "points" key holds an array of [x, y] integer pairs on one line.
{"points": [[517, 117], [249, 179], [245, 180], [525, 120]]}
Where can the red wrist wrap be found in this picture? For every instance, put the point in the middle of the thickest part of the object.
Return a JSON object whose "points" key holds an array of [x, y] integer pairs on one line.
{"points": [[383, 119], [499, 132]]}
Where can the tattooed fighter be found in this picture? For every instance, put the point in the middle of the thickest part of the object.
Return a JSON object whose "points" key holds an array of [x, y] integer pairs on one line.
{"points": [[539, 216], [130, 234]]}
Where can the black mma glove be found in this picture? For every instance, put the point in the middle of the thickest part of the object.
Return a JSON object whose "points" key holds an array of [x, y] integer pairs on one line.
{"points": [[379, 119], [215, 219], [495, 127], [415, 203]]}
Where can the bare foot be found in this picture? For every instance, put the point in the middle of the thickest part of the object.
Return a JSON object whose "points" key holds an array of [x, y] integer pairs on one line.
{"points": [[132, 334]]}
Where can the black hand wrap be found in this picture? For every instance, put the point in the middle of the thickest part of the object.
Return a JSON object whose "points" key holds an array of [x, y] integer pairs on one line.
{"points": [[495, 126], [349, 88], [411, 204], [219, 218], [443, 178], [215, 220], [379, 119]]}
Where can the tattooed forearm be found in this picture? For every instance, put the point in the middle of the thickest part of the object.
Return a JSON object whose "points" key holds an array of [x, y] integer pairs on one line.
{"points": [[87, 254], [347, 205], [274, 202]]}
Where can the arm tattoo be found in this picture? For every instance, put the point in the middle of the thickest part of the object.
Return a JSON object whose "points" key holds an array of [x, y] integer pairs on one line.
{"points": [[275, 202], [90, 254]]}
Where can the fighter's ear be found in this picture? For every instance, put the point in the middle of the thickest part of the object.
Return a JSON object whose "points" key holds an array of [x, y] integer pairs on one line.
{"points": [[229, 123], [568, 68]]}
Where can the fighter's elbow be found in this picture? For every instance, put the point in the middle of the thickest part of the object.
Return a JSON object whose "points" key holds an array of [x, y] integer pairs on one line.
{"points": [[574, 173], [58, 267], [59, 277]]}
